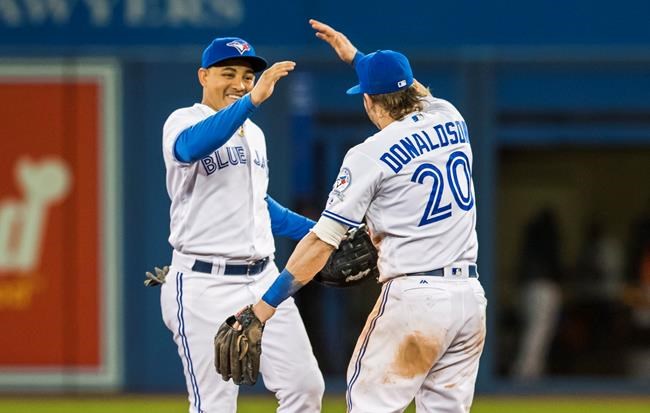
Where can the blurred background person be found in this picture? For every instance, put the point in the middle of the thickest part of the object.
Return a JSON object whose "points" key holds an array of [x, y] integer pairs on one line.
{"points": [[540, 272]]}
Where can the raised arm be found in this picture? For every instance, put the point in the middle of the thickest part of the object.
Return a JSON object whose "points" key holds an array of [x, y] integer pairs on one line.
{"points": [[205, 137], [210, 134], [346, 50], [339, 42]]}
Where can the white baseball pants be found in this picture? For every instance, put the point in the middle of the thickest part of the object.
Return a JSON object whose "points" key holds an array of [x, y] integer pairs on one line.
{"points": [[422, 340], [195, 304]]}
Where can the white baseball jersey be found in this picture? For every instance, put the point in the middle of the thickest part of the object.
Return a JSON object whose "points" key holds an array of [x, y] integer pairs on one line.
{"points": [[213, 197], [412, 182]]}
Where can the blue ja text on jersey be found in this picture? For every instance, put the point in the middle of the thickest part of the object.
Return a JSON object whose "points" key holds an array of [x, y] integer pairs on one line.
{"points": [[230, 156]]}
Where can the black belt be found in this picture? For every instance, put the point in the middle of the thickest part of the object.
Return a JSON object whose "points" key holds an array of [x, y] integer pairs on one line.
{"points": [[440, 272], [253, 268]]}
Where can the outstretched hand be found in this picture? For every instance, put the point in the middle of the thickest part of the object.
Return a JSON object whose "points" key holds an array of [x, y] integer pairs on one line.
{"points": [[264, 87], [339, 42], [153, 280]]}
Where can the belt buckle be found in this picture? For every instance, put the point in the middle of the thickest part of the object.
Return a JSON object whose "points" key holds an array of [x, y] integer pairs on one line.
{"points": [[251, 266], [259, 264]]}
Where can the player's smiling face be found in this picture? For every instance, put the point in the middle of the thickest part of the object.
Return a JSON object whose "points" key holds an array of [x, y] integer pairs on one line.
{"points": [[226, 82]]}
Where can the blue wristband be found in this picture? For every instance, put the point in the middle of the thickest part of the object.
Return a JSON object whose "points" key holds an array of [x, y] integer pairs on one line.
{"points": [[283, 287]]}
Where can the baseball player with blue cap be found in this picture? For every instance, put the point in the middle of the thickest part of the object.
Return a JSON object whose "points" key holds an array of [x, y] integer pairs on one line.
{"points": [[222, 223], [411, 182]]}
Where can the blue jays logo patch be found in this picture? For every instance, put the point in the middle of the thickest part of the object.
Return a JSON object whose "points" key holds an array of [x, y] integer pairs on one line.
{"points": [[343, 180], [241, 47]]}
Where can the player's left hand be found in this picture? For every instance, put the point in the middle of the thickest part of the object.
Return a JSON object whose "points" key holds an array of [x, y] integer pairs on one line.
{"points": [[339, 42], [152, 280], [238, 347]]}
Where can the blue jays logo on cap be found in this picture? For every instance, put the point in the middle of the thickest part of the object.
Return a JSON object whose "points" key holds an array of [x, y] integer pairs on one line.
{"points": [[224, 48], [240, 45], [383, 71]]}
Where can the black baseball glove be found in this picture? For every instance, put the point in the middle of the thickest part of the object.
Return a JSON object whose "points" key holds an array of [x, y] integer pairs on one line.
{"points": [[353, 262], [237, 349]]}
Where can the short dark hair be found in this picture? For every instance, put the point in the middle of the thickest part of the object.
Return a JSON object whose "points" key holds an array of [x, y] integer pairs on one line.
{"points": [[401, 103]]}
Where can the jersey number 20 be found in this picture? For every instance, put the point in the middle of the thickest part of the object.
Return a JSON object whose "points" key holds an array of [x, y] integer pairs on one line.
{"points": [[459, 177]]}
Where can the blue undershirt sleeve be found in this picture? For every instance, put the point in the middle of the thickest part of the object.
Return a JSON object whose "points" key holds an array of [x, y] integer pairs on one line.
{"points": [[286, 223], [205, 137], [357, 56]]}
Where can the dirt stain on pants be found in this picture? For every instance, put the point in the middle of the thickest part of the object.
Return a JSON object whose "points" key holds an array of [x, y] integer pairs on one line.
{"points": [[415, 355]]}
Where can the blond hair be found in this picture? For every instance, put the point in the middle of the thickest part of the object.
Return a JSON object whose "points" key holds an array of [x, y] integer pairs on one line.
{"points": [[401, 103]]}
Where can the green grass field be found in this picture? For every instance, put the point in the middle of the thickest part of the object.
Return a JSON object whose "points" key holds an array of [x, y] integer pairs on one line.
{"points": [[177, 404]]}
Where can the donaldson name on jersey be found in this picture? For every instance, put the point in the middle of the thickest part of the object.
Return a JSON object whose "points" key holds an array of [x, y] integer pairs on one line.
{"points": [[409, 148]]}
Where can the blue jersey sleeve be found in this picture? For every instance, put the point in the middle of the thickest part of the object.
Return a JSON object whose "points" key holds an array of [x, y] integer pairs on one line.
{"points": [[286, 223], [205, 137]]}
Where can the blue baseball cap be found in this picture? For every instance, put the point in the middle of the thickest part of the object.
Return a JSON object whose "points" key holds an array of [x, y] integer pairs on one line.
{"points": [[224, 48], [383, 71]]}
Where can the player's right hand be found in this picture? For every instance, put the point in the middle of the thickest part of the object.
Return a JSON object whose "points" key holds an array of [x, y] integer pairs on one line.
{"points": [[264, 87], [153, 280], [341, 45]]}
